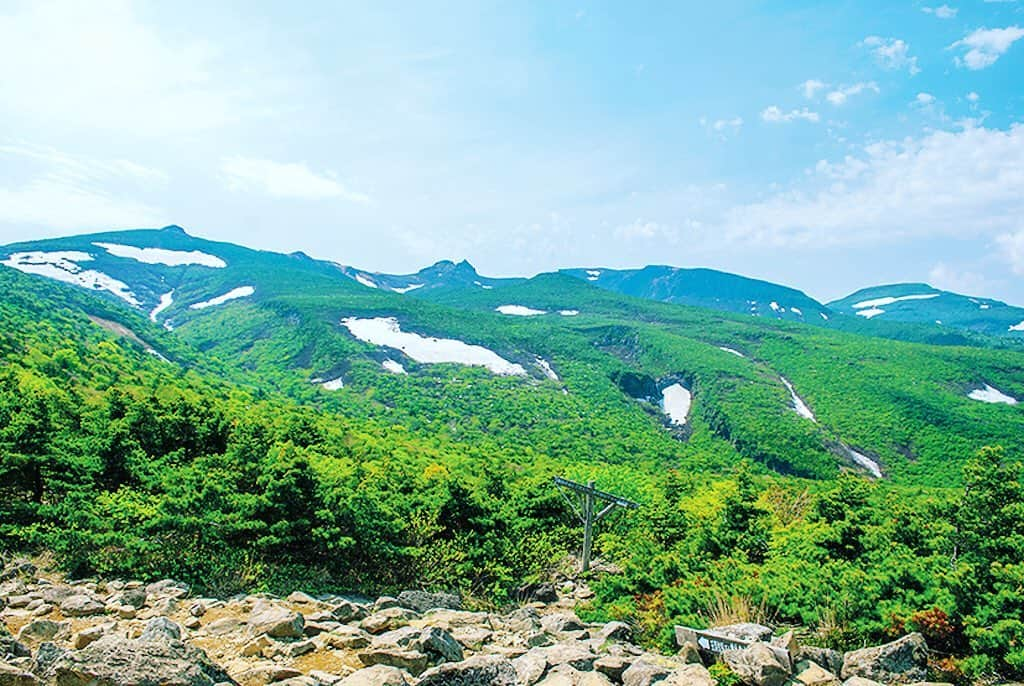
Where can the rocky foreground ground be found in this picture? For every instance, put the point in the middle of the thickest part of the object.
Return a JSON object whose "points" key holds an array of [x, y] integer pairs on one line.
{"points": [[118, 633]]}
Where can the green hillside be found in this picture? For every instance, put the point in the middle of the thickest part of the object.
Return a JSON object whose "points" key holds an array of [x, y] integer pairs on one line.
{"points": [[268, 445]]}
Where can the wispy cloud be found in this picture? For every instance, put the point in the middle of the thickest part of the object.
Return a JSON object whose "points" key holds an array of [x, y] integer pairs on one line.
{"points": [[962, 184], [722, 128], [942, 11], [924, 98], [984, 47], [285, 180], [892, 53], [58, 190], [839, 96], [810, 88], [775, 115]]}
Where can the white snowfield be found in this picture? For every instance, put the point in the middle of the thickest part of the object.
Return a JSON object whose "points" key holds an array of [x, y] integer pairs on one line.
{"points": [[823, 316], [869, 313], [366, 281], [573, 313], [393, 367], [675, 402], [172, 258], [737, 353], [233, 294], [165, 301], [593, 274], [864, 461], [798, 404], [796, 310], [62, 266], [333, 384], [1017, 327], [410, 287], [988, 394], [545, 367], [519, 310], [775, 306], [386, 331], [889, 300]]}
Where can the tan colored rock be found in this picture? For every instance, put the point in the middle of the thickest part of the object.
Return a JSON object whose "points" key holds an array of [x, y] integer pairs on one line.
{"points": [[412, 661], [378, 675], [812, 674], [689, 675], [903, 661], [14, 676]]}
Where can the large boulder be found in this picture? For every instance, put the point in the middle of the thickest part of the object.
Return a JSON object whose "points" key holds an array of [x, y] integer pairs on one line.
{"points": [[439, 645], [412, 661], [745, 631], [421, 601], [81, 605], [482, 670], [901, 662], [388, 619], [153, 658], [39, 630], [757, 665], [275, 621], [530, 667], [561, 622], [809, 673], [644, 673], [832, 660]]}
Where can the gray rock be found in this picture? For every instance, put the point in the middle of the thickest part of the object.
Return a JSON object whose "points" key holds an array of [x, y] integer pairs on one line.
{"points": [[11, 648], [378, 675], [346, 612], [18, 568], [644, 673], [860, 681], [116, 661], [92, 634], [482, 670], [40, 630], [47, 655], [690, 654], [168, 588], [832, 660], [530, 667], [809, 673], [131, 597], [223, 626], [278, 622], [14, 676], [574, 655], [616, 631], [689, 675], [345, 638], [745, 631], [561, 622], [611, 666], [300, 598], [267, 674], [757, 665], [900, 662], [438, 644], [421, 601], [412, 661], [160, 628], [81, 606], [387, 620]]}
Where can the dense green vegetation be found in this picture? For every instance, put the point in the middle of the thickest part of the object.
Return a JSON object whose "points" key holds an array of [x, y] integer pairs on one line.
{"points": [[226, 456]]}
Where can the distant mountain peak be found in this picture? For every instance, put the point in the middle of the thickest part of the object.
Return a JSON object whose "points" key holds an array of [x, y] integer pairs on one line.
{"points": [[174, 228]]}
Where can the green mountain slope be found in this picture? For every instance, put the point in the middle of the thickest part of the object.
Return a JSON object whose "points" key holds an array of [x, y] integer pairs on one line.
{"points": [[921, 303]]}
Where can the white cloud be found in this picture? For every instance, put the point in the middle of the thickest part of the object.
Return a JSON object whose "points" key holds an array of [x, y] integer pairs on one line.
{"points": [[1012, 246], [45, 187], [924, 99], [963, 183], [985, 46], [96, 65], [840, 95], [775, 115], [973, 97], [284, 180], [722, 128], [942, 11], [810, 88], [964, 281], [892, 53]]}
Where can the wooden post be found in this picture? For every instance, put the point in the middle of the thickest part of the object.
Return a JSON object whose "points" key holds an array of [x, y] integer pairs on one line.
{"points": [[587, 511]]}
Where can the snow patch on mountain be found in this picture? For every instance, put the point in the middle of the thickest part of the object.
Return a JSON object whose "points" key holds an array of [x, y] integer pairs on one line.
{"points": [[798, 404], [386, 331], [737, 353], [165, 301], [863, 460], [889, 300], [519, 310], [775, 306], [868, 314], [62, 266], [233, 294], [366, 281], [393, 367], [568, 313], [410, 287], [1017, 327], [593, 274], [171, 258], [796, 310], [675, 403], [545, 367], [333, 384], [988, 394]]}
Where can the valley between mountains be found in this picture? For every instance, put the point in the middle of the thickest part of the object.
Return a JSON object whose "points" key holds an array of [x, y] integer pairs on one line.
{"points": [[246, 421]]}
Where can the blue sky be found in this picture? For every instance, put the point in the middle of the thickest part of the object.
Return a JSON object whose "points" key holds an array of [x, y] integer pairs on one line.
{"points": [[827, 146]]}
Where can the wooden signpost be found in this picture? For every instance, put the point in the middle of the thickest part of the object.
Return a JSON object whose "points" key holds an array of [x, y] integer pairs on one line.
{"points": [[714, 643], [585, 510]]}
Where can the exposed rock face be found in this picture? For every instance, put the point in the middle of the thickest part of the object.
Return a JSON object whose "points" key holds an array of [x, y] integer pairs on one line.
{"points": [[277, 622], [902, 661], [421, 601], [482, 670], [746, 631]]}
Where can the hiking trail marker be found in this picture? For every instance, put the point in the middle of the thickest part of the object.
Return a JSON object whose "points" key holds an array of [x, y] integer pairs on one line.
{"points": [[586, 509]]}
